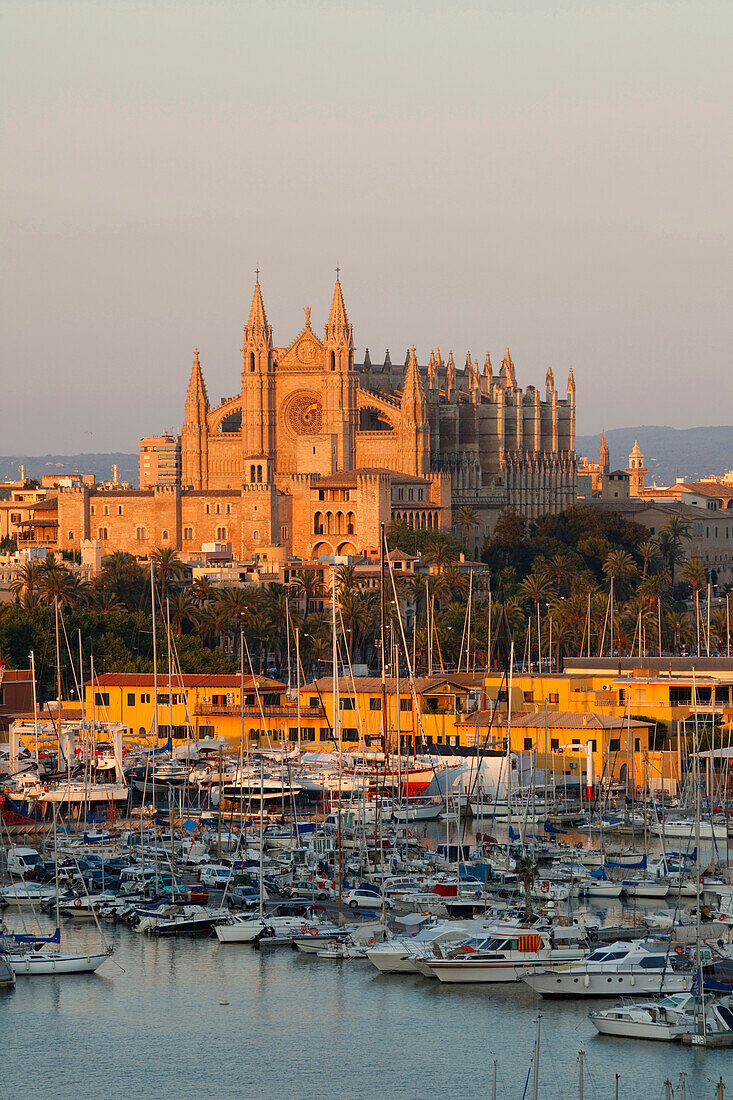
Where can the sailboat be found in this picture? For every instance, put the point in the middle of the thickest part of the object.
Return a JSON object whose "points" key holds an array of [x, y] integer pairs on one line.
{"points": [[29, 955]]}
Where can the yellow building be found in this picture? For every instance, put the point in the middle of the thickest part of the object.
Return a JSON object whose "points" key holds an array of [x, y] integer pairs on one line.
{"points": [[660, 689], [206, 706]]}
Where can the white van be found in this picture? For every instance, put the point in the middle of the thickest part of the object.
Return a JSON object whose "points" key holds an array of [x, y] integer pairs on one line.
{"points": [[21, 861]]}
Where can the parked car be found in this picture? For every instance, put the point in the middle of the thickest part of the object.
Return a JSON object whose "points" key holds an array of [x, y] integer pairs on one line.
{"points": [[244, 897], [215, 874], [364, 899]]}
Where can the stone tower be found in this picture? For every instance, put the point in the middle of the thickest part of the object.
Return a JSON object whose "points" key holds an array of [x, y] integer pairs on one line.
{"points": [[637, 471], [339, 381], [195, 431], [604, 457], [258, 383], [414, 433]]}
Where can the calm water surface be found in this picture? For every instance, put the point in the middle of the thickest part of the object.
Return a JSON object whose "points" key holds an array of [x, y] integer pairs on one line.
{"points": [[151, 1025]]}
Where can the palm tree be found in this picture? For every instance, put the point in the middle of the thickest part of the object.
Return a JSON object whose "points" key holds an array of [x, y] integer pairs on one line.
{"points": [[647, 551], [57, 583], [670, 542], [467, 519], [309, 584], [527, 869], [620, 566], [27, 580], [441, 552], [168, 568], [558, 568], [182, 610], [202, 590], [695, 574], [679, 624]]}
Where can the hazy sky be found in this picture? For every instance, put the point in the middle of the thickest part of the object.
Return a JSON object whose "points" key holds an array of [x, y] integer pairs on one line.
{"points": [[555, 177]]}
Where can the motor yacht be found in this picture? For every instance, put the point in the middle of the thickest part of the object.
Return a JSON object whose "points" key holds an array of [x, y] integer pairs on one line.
{"points": [[503, 955], [641, 966]]}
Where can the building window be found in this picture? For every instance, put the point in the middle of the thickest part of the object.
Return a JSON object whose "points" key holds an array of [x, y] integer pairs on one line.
{"points": [[145, 698], [528, 744], [102, 534], [405, 704], [106, 509], [229, 509], [346, 704], [333, 360], [208, 509], [614, 744], [131, 699], [101, 698], [283, 532], [314, 701], [252, 362], [71, 536], [637, 744], [255, 534], [141, 534], [375, 704], [93, 510], [164, 536], [350, 734], [119, 509], [188, 534], [528, 696], [553, 697]]}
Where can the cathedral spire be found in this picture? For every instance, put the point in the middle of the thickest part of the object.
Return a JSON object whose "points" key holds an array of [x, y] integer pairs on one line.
{"points": [[197, 399], [604, 457], [450, 375], [257, 330], [488, 369], [338, 329], [571, 382], [413, 392], [549, 379]]}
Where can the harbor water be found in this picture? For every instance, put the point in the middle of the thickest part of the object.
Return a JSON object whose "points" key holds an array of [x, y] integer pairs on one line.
{"points": [[152, 1023]]}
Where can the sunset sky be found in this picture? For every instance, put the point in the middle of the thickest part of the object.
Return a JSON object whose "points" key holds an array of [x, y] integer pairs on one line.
{"points": [[551, 177]]}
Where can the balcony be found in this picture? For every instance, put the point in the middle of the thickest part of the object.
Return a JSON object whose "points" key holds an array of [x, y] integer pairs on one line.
{"points": [[206, 710]]}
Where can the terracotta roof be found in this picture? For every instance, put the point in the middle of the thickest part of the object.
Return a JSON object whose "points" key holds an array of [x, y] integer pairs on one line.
{"points": [[373, 684], [190, 680], [572, 720], [347, 478]]}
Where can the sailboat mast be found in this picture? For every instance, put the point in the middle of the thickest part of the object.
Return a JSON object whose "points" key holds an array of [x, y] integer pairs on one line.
{"points": [[337, 725], [536, 1074], [382, 632]]}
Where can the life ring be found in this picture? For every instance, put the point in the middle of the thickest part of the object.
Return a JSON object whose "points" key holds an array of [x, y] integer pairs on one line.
{"points": [[545, 886], [702, 879], [77, 903], [722, 916], [409, 832], [679, 949], [313, 931]]}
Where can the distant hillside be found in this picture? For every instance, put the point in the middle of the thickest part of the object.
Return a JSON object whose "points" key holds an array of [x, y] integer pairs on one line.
{"points": [[100, 465], [668, 452]]}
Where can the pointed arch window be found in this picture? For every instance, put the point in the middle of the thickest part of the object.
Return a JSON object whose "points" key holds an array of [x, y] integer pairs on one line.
{"points": [[333, 360], [252, 362]]}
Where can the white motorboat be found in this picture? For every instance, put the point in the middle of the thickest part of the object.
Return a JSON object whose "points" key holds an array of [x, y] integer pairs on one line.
{"points": [[649, 1020], [401, 954], [642, 966], [32, 963], [502, 956], [246, 929], [667, 1020], [26, 895], [418, 809]]}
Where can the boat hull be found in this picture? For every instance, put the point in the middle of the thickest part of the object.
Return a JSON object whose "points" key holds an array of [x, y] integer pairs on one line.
{"points": [[49, 962], [563, 984]]}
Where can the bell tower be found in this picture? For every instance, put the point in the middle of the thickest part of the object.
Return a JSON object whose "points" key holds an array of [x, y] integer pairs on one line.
{"points": [[195, 431], [258, 382], [340, 381]]}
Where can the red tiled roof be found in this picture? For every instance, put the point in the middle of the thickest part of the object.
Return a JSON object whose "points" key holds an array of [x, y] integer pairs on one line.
{"points": [[190, 680]]}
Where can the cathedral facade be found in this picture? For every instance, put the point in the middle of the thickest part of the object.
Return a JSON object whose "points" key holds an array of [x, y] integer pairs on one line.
{"points": [[308, 413], [316, 451]]}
